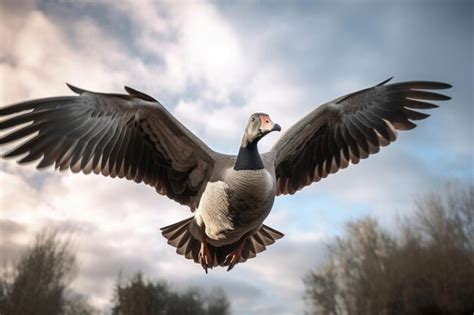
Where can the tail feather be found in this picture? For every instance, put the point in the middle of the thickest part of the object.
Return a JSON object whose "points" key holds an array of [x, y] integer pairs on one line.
{"points": [[179, 236], [275, 235], [269, 235], [177, 233], [258, 242], [255, 244]]}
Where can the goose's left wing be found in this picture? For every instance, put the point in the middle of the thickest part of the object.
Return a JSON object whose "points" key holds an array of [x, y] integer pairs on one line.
{"points": [[348, 129]]}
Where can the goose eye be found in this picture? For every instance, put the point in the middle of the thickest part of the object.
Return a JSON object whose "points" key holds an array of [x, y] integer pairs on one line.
{"points": [[253, 119]]}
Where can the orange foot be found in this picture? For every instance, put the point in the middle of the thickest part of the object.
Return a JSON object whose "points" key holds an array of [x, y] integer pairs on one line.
{"points": [[205, 257], [234, 256]]}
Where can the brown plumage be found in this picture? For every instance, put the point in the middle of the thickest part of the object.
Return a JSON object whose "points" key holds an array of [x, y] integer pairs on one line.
{"points": [[134, 137]]}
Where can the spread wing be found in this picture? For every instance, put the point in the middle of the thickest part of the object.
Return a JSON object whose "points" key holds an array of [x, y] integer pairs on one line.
{"points": [[127, 136], [348, 129]]}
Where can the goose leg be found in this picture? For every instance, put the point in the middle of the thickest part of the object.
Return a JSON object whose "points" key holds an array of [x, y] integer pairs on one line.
{"points": [[198, 230], [234, 256], [205, 257]]}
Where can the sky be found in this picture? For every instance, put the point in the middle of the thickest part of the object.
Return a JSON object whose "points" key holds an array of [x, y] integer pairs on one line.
{"points": [[212, 64]]}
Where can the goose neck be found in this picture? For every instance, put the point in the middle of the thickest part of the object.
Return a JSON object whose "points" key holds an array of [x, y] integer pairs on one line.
{"points": [[248, 158]]}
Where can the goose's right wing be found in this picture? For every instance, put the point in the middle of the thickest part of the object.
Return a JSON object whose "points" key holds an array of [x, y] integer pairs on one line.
{"points": [[127, 136]]}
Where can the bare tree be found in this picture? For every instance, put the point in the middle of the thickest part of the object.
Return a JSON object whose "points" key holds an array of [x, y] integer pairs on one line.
{"points": [[38, 283], [358, 266], [427, 269]]}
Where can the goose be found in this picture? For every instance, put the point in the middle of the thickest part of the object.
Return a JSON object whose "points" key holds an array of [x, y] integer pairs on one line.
{"points": [[133, 136]]}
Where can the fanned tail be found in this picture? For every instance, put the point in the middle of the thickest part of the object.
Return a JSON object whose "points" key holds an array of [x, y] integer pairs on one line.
{"points": [[179, 236]]}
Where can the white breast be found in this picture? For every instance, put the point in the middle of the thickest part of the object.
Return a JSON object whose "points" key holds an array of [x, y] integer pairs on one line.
{"points": [[236, 205]]}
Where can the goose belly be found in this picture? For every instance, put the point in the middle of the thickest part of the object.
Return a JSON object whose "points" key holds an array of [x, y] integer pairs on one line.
{"points": [[238, 204]]}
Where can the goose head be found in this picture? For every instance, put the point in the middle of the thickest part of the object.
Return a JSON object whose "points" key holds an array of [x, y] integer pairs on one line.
{"points": [[258, 126]]}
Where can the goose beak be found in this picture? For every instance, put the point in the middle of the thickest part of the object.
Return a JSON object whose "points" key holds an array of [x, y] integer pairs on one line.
{"points": [[267, 125]]}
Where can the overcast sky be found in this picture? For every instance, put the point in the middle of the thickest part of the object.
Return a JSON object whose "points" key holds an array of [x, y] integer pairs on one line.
{"points": [[212, 64]]}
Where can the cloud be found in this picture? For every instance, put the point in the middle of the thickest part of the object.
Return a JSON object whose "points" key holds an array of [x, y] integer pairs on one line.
{"points": [[220, 79], [87, 57], [9, 228], [189, 58], [278, 275]]}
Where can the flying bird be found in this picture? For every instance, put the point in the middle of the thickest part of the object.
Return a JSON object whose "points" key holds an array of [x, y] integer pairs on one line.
{"points": [[133, 136]]}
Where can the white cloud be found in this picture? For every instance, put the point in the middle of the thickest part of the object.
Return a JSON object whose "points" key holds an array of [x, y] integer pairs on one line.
{"points": [[42, 57], [218, 125], [202, 52], [207, 56]]}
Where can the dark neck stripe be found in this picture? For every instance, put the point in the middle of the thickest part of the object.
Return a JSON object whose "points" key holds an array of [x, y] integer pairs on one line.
{"points": [[248, 158]]}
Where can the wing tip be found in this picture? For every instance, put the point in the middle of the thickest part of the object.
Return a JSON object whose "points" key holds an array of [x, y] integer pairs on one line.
{"points": [[141, 95], [436, 85], [439, 85], [385, 81], [75, 89], [446, 85]]}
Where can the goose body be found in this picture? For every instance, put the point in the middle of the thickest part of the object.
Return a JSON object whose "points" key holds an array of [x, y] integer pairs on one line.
{"points": [[133, 136], [236, 204]]}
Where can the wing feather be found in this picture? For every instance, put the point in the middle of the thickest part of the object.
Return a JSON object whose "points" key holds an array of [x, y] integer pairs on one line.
{"points": [[127, 136], [349, 129]]}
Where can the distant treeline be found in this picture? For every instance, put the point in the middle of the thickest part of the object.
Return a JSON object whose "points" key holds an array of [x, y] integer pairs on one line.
{"points": [[139, 297], [38, 285], [427, 267]]}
